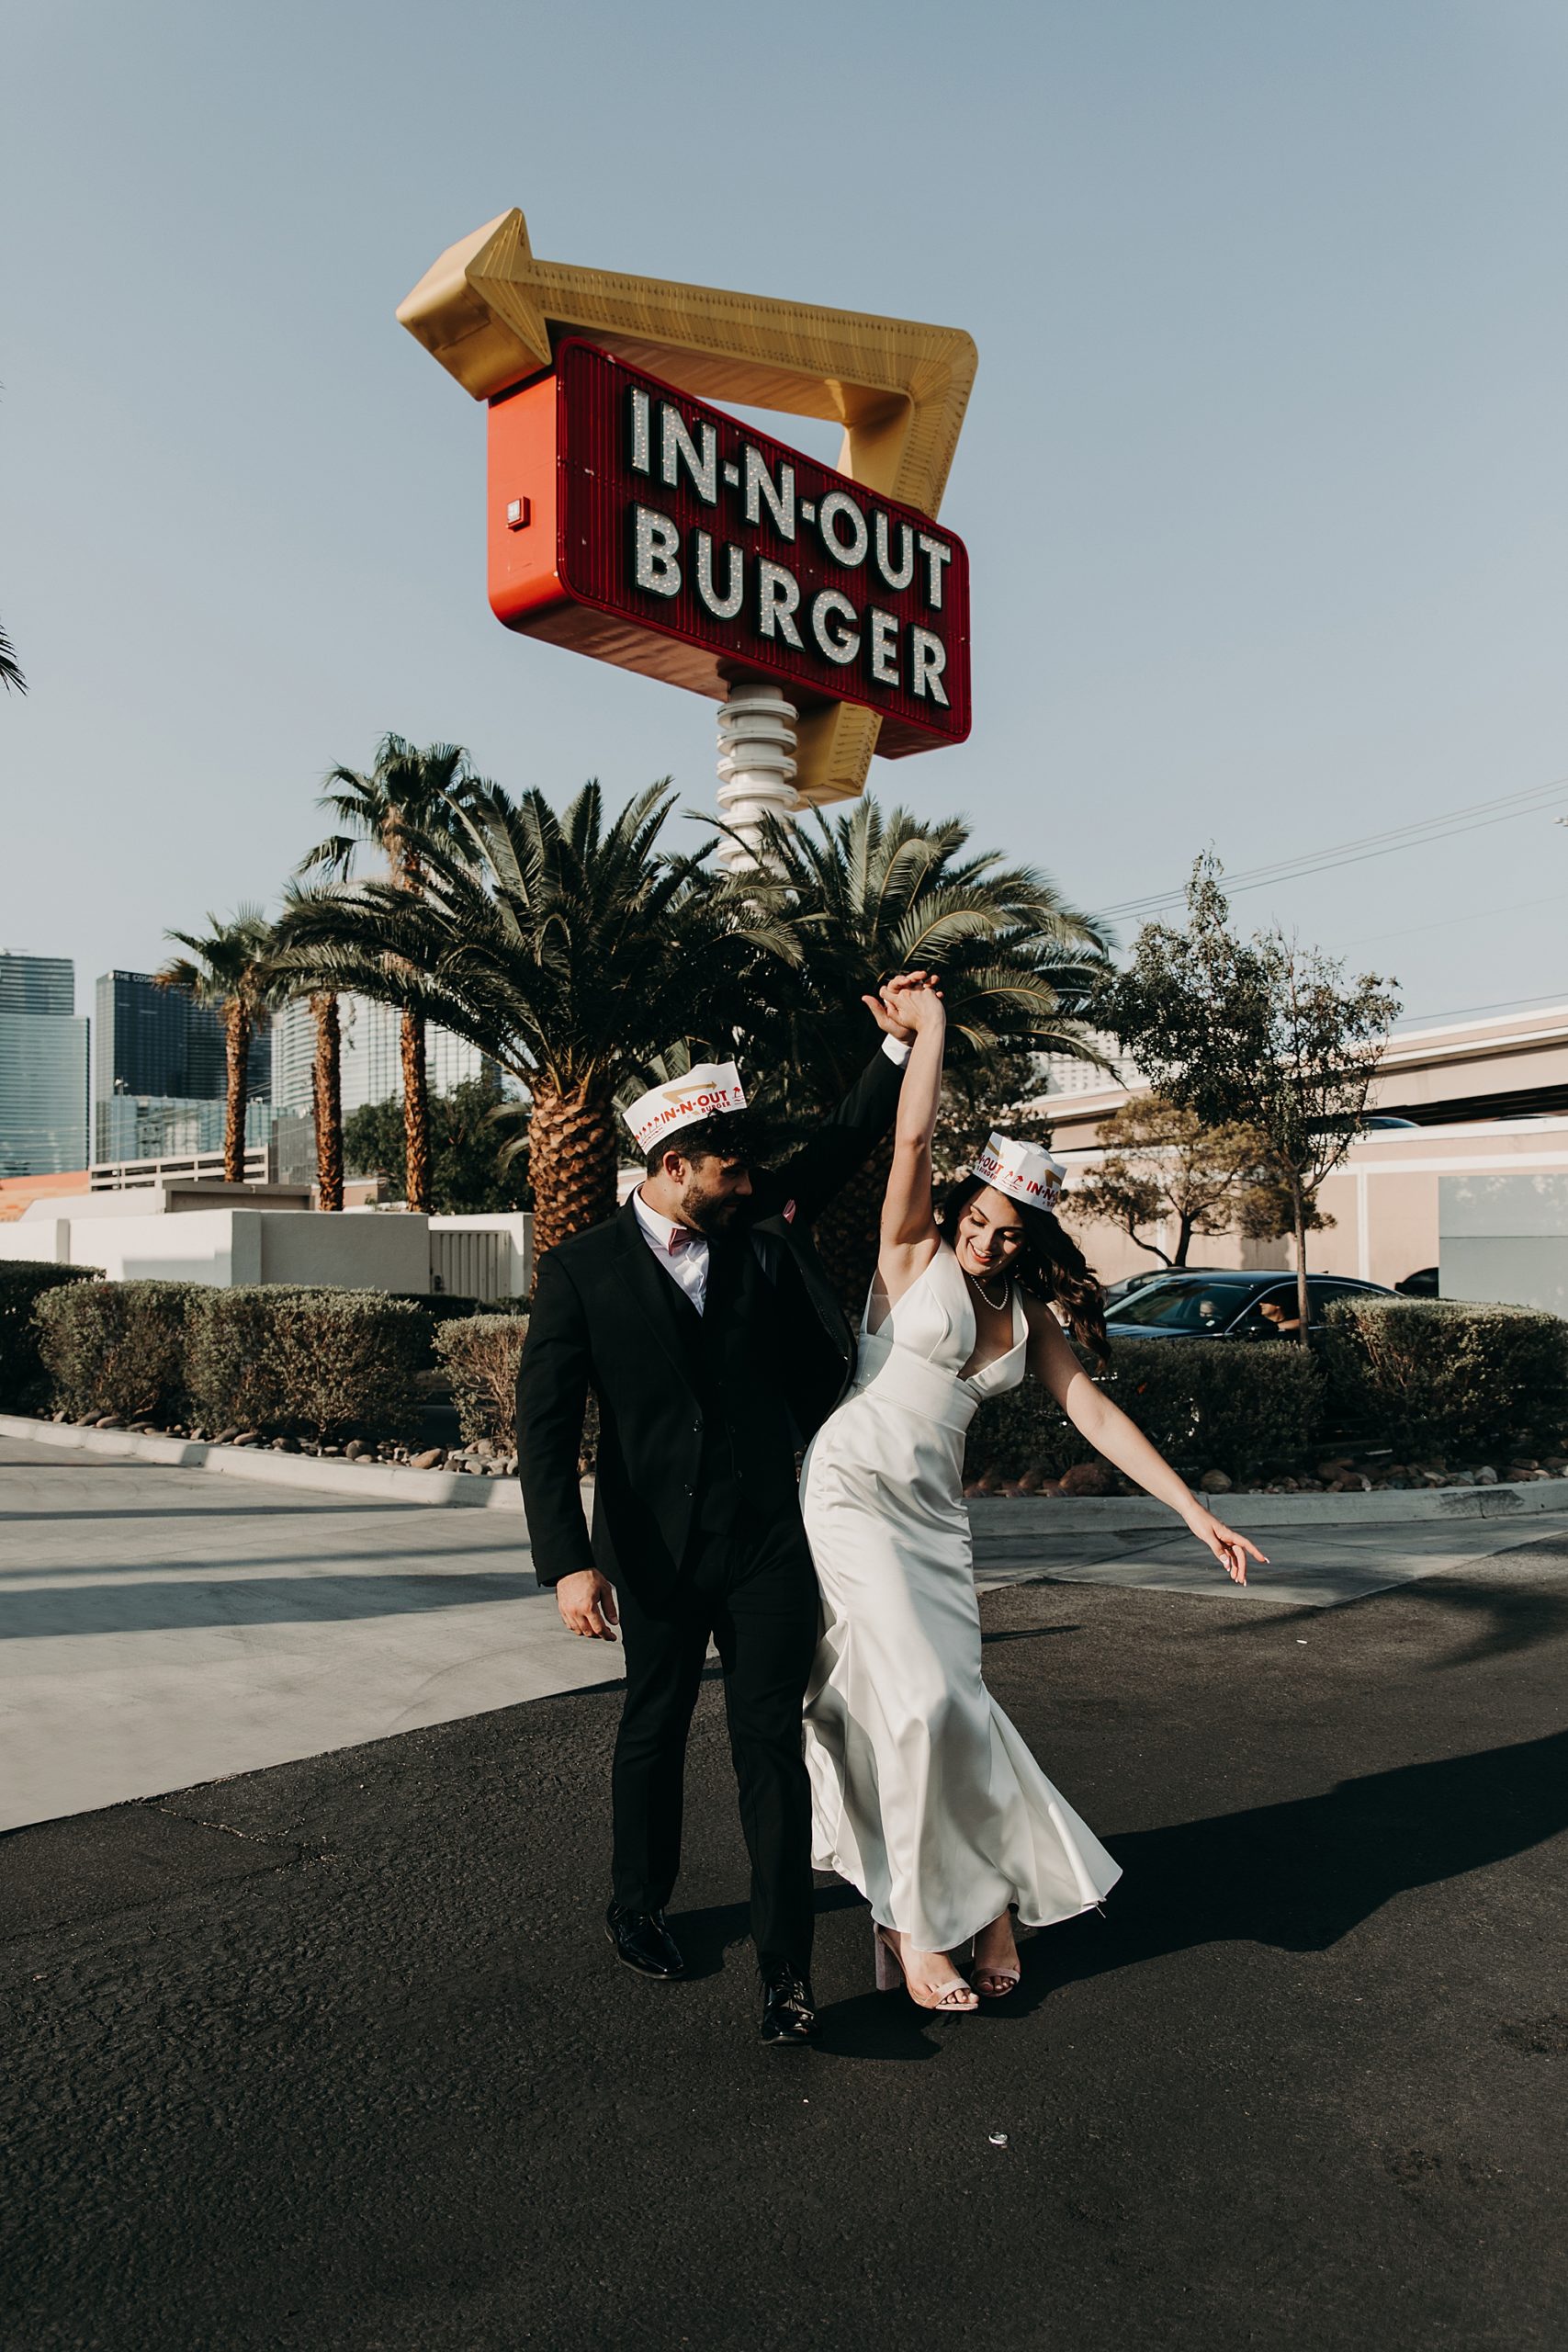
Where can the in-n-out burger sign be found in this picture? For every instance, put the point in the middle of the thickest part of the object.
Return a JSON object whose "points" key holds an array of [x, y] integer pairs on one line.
{"points": [[633, 522]]}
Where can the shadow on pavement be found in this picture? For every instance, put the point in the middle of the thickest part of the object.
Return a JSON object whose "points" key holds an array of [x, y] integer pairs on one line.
{"points": [[1295, 1877], [183, 1601], [1299, 1876], [245, 1507]]}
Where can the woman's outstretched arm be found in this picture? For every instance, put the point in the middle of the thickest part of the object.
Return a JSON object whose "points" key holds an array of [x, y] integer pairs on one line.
{"points": [[909, 1220], [1108, 1429]]}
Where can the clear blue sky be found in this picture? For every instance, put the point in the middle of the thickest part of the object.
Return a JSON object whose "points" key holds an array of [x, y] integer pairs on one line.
{"points": [[1263, 481]]}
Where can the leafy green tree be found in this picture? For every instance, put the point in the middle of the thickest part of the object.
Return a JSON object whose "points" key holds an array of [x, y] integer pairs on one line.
{"points": [[1262, 1031], [408, 798], [229, 969], [472, 1170], [568, 949], [1164, 1168]]}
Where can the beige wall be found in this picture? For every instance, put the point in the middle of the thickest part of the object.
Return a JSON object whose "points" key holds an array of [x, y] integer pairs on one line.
{"points": [[1384, 1201]]}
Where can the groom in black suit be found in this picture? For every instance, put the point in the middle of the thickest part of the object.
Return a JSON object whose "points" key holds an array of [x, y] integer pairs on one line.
{"points": [[702, 1319]]}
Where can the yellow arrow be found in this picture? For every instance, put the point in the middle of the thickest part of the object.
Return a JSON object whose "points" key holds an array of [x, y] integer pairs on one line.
{"points": [[488, 309]]}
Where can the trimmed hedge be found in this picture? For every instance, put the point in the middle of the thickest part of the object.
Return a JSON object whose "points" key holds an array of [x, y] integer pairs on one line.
{"points": [[24, 1381], [1441, 1377], [479, 1355], [119, 1347], [307, 1363], [287, 1361], [1206, 1403]]}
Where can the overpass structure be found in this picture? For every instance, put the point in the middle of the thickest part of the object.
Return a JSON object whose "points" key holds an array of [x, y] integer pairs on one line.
{"points": [[1488, 1102]]}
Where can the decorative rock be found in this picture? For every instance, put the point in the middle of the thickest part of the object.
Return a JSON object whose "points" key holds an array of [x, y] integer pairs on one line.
{"points": [[227, 1436], [1086, 1478], [1485, 1477], [249, 1437], [1214, 1482], [430, 1459], [108, 1421], [354, 1449]]}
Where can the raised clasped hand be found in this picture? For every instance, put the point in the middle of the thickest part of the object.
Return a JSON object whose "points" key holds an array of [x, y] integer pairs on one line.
{"points": [[906, 1004]]}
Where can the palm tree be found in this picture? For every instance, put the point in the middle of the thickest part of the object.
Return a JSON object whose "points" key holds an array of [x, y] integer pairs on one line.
{"points": [[293, 980], [229, 969], [409, 797], [872, 892], [570, 950], [10, 668], [326, 1098]]}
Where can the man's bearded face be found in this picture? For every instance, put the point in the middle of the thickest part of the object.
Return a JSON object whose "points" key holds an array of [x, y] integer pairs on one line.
{"points": [[714, 1193]]}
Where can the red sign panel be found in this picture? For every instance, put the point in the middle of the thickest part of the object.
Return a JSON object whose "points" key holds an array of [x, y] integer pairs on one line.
{"points": [[634, 523]]}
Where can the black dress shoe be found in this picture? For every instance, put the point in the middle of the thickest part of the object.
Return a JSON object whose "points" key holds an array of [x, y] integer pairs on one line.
{"points": [[789, 2014], [644, 1942]]}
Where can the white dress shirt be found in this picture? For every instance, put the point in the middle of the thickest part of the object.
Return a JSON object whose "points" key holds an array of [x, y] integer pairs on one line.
{"points": [[680, 1249]]}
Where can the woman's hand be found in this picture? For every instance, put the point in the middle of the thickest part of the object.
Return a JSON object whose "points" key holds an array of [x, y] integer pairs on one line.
{"points": [[1231, 1551]]}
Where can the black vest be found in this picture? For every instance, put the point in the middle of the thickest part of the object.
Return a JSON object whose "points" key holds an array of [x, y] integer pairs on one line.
{"points": [[734, 1349]]}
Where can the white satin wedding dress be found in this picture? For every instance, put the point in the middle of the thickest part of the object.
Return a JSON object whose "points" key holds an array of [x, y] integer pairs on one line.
{"points": [[923, 1794]]}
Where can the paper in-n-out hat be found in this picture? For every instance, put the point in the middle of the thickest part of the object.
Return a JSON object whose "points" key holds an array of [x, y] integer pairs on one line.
{"points": [[1023, 1171], [707, 1091]]}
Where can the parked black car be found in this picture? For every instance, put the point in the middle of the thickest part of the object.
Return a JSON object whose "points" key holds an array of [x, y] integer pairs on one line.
{"points": [[1116, 1292], [1422, 1283], [1226, 1305]]}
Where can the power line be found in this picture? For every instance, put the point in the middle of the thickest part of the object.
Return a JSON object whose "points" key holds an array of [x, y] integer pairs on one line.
{"points": [[1467, 917], [1509, 1004], [1533, 801]]}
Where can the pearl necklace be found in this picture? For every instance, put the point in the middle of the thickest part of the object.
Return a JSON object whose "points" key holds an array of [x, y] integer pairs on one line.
{"points": [[995, 1305]]}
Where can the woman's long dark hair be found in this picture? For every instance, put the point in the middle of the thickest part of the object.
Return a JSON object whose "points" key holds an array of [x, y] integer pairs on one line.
{"points": [[1049, 1265]]}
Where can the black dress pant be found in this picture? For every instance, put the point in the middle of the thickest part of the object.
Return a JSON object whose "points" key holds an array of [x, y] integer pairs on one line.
{"points": [[753, 1589]]}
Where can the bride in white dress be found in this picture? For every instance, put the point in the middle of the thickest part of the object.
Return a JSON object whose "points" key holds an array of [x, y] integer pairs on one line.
{"points": [[923, 1793]]}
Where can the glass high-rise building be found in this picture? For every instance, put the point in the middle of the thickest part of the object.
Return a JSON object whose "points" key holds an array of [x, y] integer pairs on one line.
{"points": [[370, 1063], [43, 1068], [160, 1070], [153, 1041]]}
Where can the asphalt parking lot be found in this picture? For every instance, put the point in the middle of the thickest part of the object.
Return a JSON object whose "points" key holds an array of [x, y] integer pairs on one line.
{"points": [[335, 2055]]}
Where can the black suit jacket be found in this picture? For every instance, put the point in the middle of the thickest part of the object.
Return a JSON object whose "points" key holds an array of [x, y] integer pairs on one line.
{"points": [[606, 1316]]}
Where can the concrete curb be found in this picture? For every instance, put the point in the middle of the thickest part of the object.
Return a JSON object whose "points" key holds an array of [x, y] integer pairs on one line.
{"points": [[384, 1480], [990, 1515], [994, 1515]]}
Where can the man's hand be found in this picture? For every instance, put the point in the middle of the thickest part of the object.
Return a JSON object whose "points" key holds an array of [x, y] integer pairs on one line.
{"points": [[587, 1604], [888, 1010]]}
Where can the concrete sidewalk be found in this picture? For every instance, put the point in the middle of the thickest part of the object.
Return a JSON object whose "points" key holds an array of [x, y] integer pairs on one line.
{"points": [[160, 1627]]}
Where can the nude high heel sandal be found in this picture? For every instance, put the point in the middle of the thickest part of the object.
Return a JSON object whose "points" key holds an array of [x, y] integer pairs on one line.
{"points": [[992, 1984], [955, 2000]]}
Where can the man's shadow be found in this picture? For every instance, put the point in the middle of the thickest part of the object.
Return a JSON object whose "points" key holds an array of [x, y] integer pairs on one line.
{"points": [[1296, 1876]]}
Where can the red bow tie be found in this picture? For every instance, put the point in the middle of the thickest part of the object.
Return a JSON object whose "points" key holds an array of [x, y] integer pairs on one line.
{"points": [[680, 1235]]}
